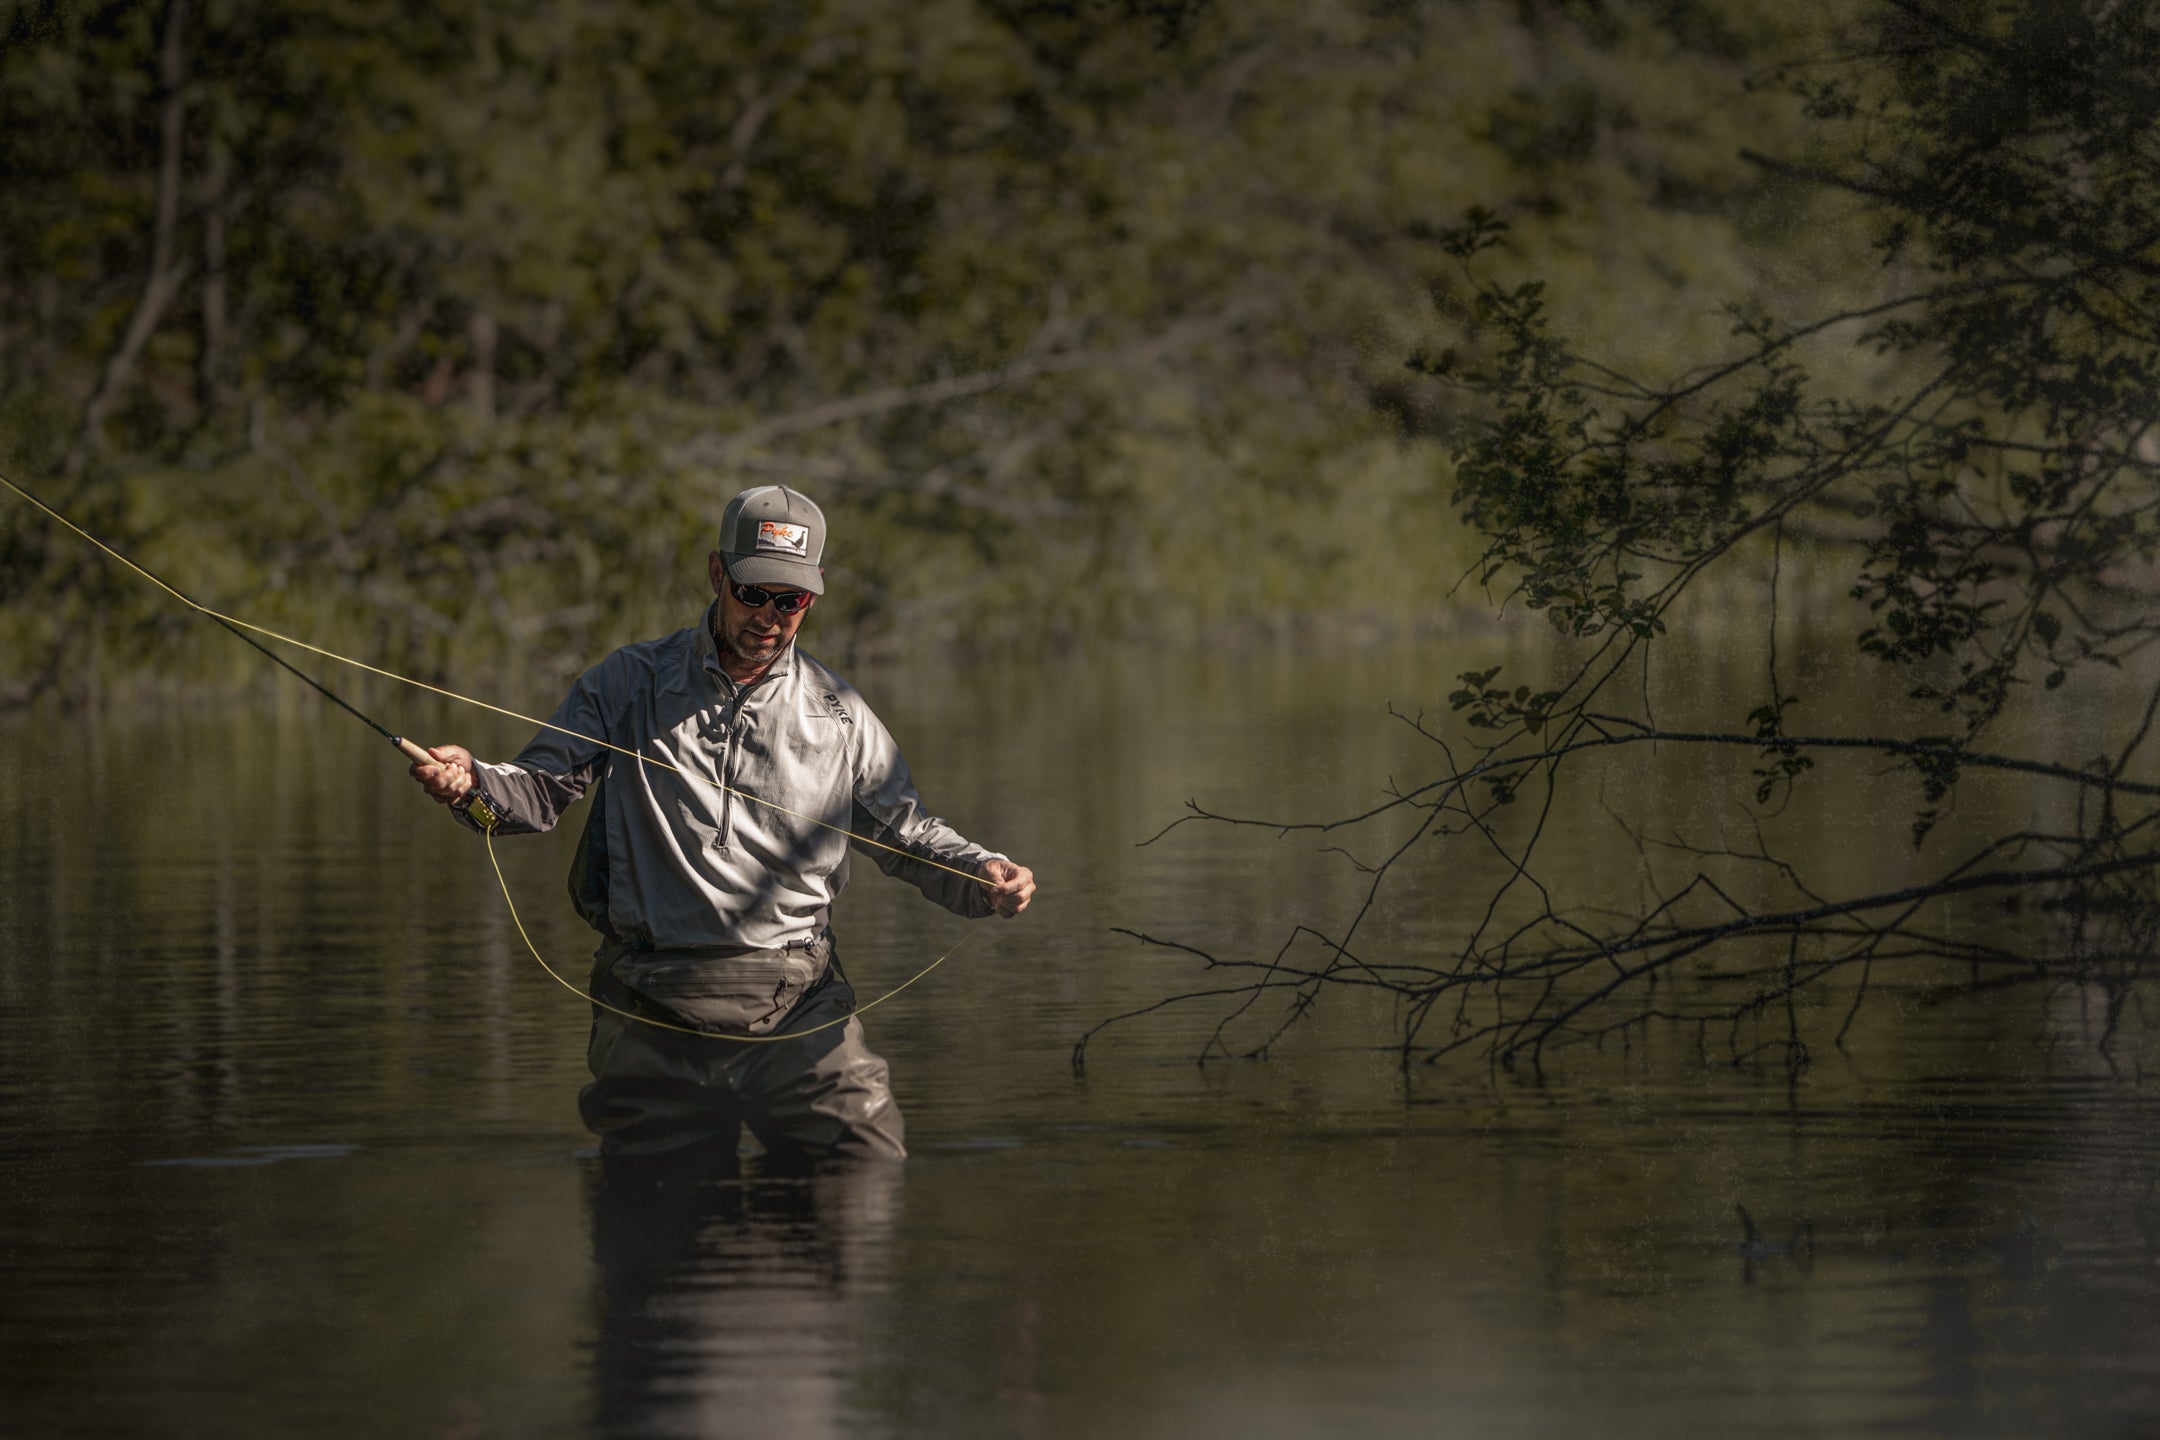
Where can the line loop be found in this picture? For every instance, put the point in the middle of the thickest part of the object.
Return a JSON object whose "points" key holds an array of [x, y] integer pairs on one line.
{"points": [[556, 976]]}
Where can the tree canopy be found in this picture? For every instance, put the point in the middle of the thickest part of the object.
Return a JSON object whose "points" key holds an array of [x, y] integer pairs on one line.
{"points": [[1963, 444], [442, 331]]}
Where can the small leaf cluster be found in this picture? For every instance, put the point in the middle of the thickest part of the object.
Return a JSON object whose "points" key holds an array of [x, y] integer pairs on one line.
{"points": [[1485, 706], [1782, 762]]}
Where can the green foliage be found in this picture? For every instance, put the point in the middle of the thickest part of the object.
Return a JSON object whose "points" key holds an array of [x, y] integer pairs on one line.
{"points": [[1991, 480], [1961, 437], [1485, 706], [1782, 762], [444, 331]]}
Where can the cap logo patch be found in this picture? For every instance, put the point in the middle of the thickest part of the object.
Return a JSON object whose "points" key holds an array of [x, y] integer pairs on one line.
{"points": [[786, 539]]}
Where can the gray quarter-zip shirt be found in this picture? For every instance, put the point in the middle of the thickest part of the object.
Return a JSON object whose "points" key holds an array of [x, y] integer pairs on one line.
{"points": [[690, 864]]}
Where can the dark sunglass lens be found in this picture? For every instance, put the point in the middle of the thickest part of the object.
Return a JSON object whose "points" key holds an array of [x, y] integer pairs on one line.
{"points": [[787, 604]]}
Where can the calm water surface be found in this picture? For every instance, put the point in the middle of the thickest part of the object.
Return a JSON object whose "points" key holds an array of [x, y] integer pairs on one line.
{"points": [[290, 1145]]}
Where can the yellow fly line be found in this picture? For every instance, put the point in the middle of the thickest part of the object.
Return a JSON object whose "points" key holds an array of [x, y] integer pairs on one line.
{"points": [[556, 976], [489, 827]]}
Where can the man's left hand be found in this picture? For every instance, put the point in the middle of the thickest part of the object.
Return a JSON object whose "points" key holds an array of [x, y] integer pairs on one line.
{"points": [[1011, 886]]}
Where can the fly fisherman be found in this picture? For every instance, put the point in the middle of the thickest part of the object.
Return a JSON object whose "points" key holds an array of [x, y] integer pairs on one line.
{"points": [[714, 908]]}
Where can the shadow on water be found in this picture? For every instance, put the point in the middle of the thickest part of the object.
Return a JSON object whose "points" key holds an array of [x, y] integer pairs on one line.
{"points": [[727, 1292]]}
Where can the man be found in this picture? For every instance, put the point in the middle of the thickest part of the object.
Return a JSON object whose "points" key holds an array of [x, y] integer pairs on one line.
{"points": [[711, 861]]}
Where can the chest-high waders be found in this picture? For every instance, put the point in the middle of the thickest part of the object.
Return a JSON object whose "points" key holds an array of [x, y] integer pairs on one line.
{"points": [[657, 1091]]}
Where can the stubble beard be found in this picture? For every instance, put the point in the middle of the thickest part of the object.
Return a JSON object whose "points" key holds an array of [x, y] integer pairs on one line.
{"points": [[731, 645]]}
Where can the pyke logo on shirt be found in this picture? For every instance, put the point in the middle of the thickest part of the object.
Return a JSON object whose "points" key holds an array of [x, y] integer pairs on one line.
{"points": [[840, 711], [785, 538]]}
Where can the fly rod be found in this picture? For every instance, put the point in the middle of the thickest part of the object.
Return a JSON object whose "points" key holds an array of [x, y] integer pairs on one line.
{"points": [[487, 818]]}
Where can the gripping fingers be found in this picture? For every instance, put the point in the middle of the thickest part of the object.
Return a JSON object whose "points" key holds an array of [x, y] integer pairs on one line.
{"points": [[1015, 888], [446, 777]]}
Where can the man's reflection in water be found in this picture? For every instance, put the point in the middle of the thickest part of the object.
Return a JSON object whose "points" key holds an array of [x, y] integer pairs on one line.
{"points": [[735, 1299]]}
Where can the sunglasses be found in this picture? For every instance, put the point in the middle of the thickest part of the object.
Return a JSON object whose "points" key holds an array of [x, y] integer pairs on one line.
{"points": [[786, 602]]}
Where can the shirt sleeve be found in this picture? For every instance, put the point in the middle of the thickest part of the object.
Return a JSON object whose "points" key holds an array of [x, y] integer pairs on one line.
{"points": [[556, 766], [889, 813]]}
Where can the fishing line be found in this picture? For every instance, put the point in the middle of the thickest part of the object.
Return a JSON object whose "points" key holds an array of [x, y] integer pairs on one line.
{"points": [[490, 822], [414, 752], [571, 986]]}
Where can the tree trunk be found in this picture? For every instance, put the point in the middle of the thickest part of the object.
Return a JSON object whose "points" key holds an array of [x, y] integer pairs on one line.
{"points": [[163, 279], [210, 358], [480, 385]]}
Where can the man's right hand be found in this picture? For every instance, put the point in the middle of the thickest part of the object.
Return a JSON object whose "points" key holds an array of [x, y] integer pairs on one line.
{"points": [[450, 777]]}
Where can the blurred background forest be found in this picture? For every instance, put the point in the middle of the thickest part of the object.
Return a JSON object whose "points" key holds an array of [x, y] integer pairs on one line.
{"points": [[440, 333]]}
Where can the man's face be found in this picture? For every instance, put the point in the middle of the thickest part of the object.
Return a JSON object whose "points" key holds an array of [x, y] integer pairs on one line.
{"points": [[749, 636]]}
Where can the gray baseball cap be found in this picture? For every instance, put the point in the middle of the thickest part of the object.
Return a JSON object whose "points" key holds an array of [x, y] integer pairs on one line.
{"points": [[774, 536]]}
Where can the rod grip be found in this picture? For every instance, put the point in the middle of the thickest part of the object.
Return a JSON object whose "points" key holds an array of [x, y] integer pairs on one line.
{"points": [[413, 752]]}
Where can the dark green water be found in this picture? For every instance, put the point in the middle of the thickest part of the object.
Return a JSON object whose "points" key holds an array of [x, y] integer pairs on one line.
{"points": [[290, 1147]]}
